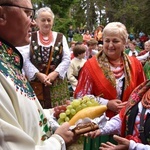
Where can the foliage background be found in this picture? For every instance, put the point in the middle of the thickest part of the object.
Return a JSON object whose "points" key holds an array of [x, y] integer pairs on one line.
{"points": [[88, 14]]}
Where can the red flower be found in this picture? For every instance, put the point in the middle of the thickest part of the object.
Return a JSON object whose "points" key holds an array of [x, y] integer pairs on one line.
{"points": [[135, 97], [17, 59]]}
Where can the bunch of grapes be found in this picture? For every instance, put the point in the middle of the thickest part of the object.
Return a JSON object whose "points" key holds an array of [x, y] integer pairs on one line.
{"points": [[75, 106], [60, 109]]}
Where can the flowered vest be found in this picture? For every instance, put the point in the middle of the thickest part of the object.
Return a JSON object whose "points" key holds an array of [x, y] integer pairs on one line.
{"points": [[130, 121], [40, 55]]}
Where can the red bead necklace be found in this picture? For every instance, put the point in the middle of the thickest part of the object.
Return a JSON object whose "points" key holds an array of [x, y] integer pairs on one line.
{"points": [[43, 39], [118, 72]]}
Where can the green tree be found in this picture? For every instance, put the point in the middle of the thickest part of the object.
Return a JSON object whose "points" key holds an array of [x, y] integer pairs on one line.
{"points": [[90, 13], [61, 10]]}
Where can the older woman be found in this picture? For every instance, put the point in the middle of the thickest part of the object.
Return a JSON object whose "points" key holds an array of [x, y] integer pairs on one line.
{"points": [[111, 75], [50, 57]]}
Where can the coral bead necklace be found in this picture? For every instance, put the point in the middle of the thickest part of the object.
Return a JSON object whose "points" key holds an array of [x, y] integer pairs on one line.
{"points": [[118, 69], [45, 40]]}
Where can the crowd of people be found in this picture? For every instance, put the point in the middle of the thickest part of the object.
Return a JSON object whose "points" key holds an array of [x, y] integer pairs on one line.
{"points": [[36, 67], [94, 46]]}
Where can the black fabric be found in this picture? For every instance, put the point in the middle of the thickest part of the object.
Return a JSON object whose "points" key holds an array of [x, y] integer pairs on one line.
{"points": [[141, 128], [34, 36], [56, 62], [147, 128], [131, 119], [121, 97]]}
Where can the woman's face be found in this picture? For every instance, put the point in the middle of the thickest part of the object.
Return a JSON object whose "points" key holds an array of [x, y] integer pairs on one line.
{"points": [[45, 22], [113, 46]]}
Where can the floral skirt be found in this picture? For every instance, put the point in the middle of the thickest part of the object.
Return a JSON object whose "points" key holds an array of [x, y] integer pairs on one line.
{"points": [[59, 92], [54, 95]]}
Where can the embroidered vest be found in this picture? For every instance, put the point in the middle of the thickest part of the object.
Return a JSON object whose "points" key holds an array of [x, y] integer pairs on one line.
{"points": [[130, 121], [40, 55]]}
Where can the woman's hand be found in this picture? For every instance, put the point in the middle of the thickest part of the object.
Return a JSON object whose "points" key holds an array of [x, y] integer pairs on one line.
{"points": [[116, 105], [93, 134], [50, 78], [41, 76], [123, 144]]}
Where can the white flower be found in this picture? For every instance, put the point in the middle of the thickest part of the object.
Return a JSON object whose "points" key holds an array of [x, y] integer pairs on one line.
{"points": [[39, 58], [35, 47], [33, 42], [34, 56], [56, 48], [59, 43]]}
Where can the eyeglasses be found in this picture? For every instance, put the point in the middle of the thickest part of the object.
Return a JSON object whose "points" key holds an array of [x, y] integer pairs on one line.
{"points": [[29, 11]]}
